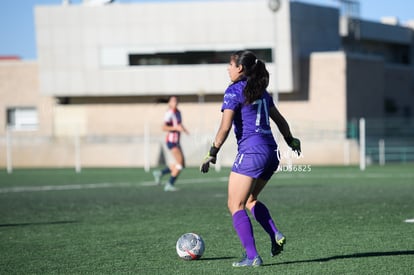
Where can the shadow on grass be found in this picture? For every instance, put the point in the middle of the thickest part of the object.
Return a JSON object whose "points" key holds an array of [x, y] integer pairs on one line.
{"points": [[350, 256], [35, 223]]}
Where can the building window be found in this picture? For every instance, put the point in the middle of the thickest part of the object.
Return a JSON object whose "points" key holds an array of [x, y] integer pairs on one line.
{"points": [[191, 57], [391, 52], [22, 118]]}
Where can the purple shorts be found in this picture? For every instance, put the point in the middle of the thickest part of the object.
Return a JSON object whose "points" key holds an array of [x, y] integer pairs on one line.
{"points": [[259, 161]]}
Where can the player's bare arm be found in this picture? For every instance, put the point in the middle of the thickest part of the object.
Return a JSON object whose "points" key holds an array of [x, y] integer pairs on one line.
{"points": [[221, 136], [284, 129], [225, 127], [183, 129], [280, 121]]}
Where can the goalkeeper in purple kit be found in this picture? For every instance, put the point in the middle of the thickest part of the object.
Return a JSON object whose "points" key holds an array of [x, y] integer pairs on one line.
{"points": [[249, 107]]}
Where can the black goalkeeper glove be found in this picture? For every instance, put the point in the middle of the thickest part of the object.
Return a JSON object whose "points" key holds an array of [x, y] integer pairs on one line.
{"points": [[294, 144], [211, 157]]}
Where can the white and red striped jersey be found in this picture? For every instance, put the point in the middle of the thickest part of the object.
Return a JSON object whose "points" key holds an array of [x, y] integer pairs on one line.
{"points": [[173, 118]]}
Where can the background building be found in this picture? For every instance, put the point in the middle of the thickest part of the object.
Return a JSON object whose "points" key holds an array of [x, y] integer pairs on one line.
{"points": [[102, 69]]}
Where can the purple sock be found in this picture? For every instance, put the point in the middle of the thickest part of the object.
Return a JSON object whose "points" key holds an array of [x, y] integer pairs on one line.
{"points": [[244, 229], [262, 216]]}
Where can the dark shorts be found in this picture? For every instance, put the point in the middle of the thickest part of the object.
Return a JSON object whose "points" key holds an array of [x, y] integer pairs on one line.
{"points": [[259, 161], [171, 145]]}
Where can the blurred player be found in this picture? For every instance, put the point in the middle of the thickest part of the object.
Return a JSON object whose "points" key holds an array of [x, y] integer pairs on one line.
{"points": [[173, 126], [248, 106]]}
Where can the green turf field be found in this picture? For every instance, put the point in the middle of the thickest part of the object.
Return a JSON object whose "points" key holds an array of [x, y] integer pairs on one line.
{"points": [[337, 220]]}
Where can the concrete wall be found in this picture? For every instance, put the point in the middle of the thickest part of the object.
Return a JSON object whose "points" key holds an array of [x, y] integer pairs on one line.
{"points": [[83, 50], [130, 134], [19, 87], [341, 87], [325, 110]]}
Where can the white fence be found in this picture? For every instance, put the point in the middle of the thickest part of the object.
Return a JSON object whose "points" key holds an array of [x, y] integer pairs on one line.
{"points": [[321, 145], [147, 151]]}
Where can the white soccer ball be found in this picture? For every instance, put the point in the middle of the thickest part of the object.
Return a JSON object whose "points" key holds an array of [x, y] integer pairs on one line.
{"points": [[190, 246]]}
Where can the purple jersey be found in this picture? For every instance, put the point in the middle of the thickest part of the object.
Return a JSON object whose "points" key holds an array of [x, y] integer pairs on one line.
{"points": [[251, 121]]}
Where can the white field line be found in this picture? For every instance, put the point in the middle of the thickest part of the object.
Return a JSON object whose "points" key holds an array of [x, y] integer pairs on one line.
{"points": [[279, 175], [18, 189]]}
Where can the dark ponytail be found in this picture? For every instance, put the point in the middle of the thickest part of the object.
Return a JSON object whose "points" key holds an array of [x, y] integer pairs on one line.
{"points": [[256, 73]]}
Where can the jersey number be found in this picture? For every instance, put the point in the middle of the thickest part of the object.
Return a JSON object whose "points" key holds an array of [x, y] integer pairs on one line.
{"points": [[261, 103]]}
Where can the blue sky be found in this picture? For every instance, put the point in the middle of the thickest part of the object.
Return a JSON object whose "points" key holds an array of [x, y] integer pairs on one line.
{"points": [[17, 30]]}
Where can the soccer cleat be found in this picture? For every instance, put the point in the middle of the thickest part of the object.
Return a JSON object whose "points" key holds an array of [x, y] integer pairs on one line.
{"points": [[255, 262], [277, 244], [170, 188], [157, 176]]}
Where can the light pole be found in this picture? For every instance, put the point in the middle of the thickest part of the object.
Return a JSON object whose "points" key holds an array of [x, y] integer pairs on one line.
{"points": [[274, 6]]}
